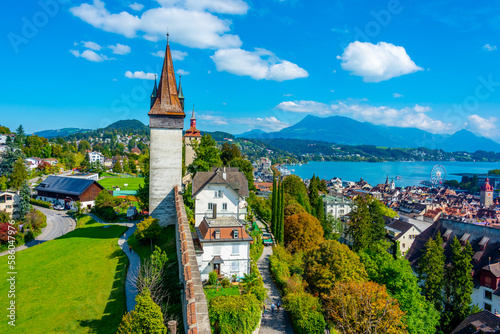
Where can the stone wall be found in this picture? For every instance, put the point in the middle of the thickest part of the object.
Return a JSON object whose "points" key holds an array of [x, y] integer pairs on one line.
{"points": [[194, 303]]}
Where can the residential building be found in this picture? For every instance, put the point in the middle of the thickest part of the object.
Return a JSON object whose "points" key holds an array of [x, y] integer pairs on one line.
{"points": [[96, 157], [337, 206], [9, 203], [223, 245], [68, 189], [481, 323], [403, 233], [225, 189], [51, 161], [33, 162]]}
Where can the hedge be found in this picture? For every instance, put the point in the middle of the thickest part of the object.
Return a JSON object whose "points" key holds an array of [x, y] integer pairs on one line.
{"points": [[234, 314], [306, 312], [41, 203]]}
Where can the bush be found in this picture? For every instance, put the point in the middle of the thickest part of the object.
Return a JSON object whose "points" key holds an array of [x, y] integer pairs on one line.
{"points": [[107, 213], [234, 314], [306, 312], [253, 283], [212, 278], [36, 219], [41, 203], [149, 228], [225, 282]]}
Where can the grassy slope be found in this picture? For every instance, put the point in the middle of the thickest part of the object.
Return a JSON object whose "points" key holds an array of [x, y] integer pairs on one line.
{"points": [[212, 292], [133, 183], [73, 284]]}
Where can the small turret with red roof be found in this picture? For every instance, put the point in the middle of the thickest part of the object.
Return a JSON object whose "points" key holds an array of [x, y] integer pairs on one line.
{"points": [[487, 186]]}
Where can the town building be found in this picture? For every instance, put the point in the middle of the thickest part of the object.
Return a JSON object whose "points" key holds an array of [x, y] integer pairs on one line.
{"points": [[337, 206], [191, 137], [166, 121], [402, 233], [67, 190], [486, 194], [96, 157], [483, 322], [223, 245], [9, 203], [225, 189]]}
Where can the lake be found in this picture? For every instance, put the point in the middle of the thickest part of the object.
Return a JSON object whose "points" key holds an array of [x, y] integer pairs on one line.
{"points": [[412, 173]]}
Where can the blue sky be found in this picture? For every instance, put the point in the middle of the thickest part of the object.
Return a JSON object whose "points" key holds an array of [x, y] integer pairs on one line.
{"points": [[254, 64]]}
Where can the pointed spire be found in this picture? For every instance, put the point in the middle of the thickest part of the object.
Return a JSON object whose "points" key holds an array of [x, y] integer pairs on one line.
{"points": [[167, 101], [192, 116], [153, 95], [387, 179], [192, 131], [180, 94]]}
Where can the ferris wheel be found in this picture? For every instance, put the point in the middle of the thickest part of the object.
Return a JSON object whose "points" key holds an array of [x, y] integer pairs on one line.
{"points": [[438, 175]]}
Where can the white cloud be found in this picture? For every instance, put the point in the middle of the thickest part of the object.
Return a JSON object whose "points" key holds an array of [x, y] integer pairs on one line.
{"points": [[218, 6], [485, 127], [120, 49], [136, 6], [414, 117], [160, 54], [92, 46], [182, 72], [177, 55], [489, 47], [263, 123], [140, 75], [192, 28], [90, 55], [397, 95], [258, 64], [377, 62]]}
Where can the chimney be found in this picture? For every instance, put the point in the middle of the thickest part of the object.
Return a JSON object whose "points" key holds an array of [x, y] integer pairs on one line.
{"points": [[224, 173], [214, 210]]}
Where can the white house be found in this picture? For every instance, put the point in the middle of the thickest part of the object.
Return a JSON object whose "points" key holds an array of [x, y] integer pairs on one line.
{"points": [[223, 245], [224, 189], [337, 206], [96, 157], [9, 203], [403, 232], [33, 162]]}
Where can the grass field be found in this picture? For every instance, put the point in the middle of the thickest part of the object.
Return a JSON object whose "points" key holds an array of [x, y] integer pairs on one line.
{"points": [[73, 284], [211, 292], [133, 183]]}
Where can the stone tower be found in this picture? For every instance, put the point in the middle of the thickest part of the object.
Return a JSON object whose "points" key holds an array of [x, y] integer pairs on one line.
{"points": [[166, 121], [192, 135], [487, 194]]}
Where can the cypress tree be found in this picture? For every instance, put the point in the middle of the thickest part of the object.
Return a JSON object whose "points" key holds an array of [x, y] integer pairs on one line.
{"points": [[282, 215], [431, 271], [274, 204]]}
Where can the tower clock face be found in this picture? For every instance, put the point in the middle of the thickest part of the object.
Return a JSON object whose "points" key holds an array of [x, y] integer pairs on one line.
{"points": [[488, 194]]}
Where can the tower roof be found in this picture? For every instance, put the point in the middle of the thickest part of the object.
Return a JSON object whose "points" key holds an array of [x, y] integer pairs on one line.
{"points": [[192, 115], [487, 186], [179, 93], [167, 101], [155, 89], [192, 131]]}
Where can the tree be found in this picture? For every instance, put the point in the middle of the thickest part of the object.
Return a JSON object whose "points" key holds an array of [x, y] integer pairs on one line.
{"points": [[396, 274], [332, 227], [132, 166], [280, 225], [145, 318], [294, 186], [207, 155], [149, 228], [142, 193], [458, 287], [431, 271], [229, 152], [363, 307], [292, 209], [83, 147], [329, 263], [302, 232], [24, 199], [3, 183], [313, 195], [8, 160], [117, 167], [19, 174], [274, 198], [151, 275], [20, 135], [367, 225]]}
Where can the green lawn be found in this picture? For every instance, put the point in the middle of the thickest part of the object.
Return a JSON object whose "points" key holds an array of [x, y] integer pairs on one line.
{"points": [[212, 292], [133, 183], [166, 242], [73, 284]]}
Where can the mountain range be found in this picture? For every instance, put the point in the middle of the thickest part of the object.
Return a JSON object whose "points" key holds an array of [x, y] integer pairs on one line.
{"points": [[344, 130]]}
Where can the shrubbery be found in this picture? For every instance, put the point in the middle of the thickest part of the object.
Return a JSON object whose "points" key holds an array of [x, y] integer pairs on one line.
{"points": [[234, 314], [212, 278], [41, 203], [148, 229], [104, 205], [306, 311]]}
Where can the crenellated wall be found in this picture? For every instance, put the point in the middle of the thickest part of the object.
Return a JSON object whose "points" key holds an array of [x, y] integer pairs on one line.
{"points": [[194, 303]]}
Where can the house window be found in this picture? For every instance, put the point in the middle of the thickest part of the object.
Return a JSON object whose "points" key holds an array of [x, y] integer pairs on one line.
{"points": [[235, 268], [487, 307], [224, 206], [404, 245], [217, 250], [236, 249], [217, 234], [487, 281], [218, 193], [210, 206], [235, 234], [487, 295]]}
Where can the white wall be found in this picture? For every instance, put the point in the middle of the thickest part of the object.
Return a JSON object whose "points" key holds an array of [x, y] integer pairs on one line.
{"points": [[207, 195], [225, 251], [478, 298], [407, 240], [337, 209]]}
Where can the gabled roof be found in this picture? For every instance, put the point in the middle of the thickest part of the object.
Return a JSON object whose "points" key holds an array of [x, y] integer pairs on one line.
{"points": [[233, 177], [400, 226], [65, 185], [484, 320], [167, 101]]}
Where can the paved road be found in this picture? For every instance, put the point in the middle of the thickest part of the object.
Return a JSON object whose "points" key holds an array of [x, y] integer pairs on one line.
{"points": [[277, 322], [134, 261], [58, 223]]}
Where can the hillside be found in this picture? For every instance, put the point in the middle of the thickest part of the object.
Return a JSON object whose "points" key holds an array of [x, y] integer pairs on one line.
{"points": [[127, 124], [60, 132]]}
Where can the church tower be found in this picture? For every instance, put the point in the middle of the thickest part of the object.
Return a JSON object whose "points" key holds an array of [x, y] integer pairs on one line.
{"points": [[192, 135], [166, 121], [486, 194]]}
